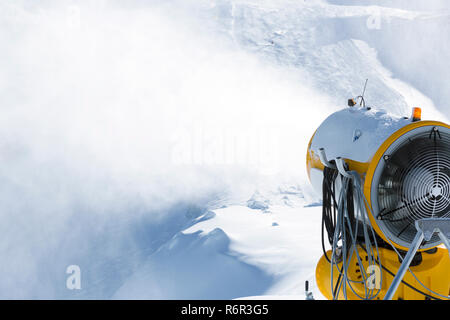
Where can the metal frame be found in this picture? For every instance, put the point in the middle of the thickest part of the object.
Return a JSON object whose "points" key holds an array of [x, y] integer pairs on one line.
{"points": [[426, 228]]}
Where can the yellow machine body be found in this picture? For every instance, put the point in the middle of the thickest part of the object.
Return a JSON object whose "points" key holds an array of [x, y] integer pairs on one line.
{"points": [[367, 169], [433, 271]]}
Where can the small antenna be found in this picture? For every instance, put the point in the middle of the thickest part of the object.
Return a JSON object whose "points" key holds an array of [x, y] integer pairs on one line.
{"points": [[365, 86], [352, 102], [362, 95]]}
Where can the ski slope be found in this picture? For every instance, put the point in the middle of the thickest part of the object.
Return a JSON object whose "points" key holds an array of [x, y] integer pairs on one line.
{"points": [[160, 146]]}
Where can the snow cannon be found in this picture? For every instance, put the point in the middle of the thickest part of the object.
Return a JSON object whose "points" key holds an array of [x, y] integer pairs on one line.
{"points": [[385, 184]]}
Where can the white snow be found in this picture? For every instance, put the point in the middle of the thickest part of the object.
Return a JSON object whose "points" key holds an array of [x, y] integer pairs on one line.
{"points": [[161, 146], [272, 241], [355, 133]]}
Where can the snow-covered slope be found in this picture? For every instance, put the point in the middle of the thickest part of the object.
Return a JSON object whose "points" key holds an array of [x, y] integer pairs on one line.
{"points": [[160, 145]]}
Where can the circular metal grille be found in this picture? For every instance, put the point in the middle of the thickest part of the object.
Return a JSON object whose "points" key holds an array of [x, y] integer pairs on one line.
{"points": [[414, 183]]}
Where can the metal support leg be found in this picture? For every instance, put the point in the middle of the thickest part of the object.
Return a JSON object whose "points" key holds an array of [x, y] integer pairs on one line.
{"points": [[404, 266], [426, 228], [445, 241]]}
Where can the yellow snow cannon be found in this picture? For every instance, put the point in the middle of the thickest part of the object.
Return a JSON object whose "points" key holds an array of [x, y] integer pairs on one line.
{"points": [[385, 184]]}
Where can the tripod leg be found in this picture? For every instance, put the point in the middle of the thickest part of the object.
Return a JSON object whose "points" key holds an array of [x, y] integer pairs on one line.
{"points": [[405, 265], [445, 240]]}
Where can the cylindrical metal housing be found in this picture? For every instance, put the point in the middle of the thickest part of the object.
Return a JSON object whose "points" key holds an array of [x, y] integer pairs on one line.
{"points": [[404, 165]]}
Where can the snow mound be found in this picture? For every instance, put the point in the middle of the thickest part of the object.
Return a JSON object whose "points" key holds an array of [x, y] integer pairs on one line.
{"points": [[191, 266]]}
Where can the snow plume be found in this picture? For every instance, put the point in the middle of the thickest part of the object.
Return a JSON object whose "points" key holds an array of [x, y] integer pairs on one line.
{"points": [[118, 127]]}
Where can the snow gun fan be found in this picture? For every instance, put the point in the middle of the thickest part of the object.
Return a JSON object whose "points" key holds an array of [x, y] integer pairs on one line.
{"points": [[379, 176]]}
